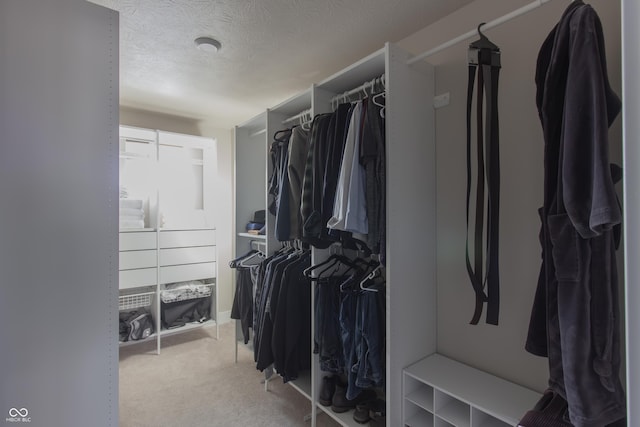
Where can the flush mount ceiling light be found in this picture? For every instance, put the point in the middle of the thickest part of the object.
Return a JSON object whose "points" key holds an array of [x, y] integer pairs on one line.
{"points": [[208, 44]]}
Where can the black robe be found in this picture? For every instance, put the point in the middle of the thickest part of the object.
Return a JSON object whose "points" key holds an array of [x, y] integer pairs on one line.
{"points": [[575, 317]]}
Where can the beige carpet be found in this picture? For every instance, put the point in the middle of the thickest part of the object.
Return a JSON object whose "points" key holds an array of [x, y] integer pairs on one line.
{"points": [[195, 382]]}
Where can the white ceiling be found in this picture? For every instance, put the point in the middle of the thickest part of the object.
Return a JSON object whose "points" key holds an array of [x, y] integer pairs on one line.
{"points": [[271, 49]]}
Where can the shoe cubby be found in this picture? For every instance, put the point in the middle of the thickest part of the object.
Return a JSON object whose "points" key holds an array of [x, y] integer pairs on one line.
{"points": [[418, 403], [482, 419], [442, 392], [418, 393], [415, 416], [451, 410], [439, 422]]}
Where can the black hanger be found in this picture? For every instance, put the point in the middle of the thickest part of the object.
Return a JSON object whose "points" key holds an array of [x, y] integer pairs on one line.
{"points": [[330, 262], [483, 42]]}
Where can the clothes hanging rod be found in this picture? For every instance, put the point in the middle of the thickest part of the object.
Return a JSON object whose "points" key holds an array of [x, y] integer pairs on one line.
{"points": [[364, 85], [260, 132], [297, 116], [498, 21]]}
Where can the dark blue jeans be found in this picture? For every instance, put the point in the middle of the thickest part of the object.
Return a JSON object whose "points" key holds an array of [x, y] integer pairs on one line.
{"points": [[369, 366], [362, 323], [348, 314], [327, 332]]}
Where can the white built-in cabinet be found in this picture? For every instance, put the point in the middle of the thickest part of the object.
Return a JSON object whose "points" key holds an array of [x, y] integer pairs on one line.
{"points": [[410, 157], [173, 175]]}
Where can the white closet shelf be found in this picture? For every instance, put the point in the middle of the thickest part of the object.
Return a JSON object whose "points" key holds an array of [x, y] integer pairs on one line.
{"points": [[253, 236], [135, 230], [188, 229], [303, 384], [420, 420], [186, 328], [344, 418], [423, 397], [150, 338]]}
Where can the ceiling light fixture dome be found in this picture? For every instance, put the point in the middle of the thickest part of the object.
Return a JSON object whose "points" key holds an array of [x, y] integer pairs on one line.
{"points": [[208, 44]]}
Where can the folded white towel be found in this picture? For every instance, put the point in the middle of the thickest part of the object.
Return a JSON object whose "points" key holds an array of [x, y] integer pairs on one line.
{"points": [[131, 223], [138, 213], [131, 203]]}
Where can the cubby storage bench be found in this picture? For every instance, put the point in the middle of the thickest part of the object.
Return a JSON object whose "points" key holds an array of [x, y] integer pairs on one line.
{"points": [[440, 392]]}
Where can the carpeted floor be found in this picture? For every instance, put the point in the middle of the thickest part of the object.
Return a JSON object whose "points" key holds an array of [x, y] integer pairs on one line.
{"points": [[195, 382]]}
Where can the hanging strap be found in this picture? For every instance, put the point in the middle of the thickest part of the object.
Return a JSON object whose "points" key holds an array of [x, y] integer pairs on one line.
{"points": [[488, 166], [475, 272]]}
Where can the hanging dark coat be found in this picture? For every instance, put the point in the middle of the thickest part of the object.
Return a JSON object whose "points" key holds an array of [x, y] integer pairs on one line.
{"points": [[575, 317]]}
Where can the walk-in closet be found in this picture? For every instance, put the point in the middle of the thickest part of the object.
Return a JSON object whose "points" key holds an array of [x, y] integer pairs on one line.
{"points": [[434, 229], [445, 372]]}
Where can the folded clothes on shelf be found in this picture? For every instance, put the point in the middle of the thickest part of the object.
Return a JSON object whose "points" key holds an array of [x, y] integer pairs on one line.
{"points": [[132, 213], [183, 291], [131, 203]]}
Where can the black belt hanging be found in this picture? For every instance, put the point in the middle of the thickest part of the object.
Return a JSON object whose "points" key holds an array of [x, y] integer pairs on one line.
{"points": [[484, 273]]}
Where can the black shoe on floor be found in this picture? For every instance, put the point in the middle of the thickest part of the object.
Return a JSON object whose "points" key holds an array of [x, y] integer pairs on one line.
{"points": [[327, 390], [371, 410], [340, 403], [361, 414]]}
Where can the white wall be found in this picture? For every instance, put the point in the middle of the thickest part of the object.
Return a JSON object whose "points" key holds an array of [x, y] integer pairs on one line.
{"points": [[499, 350], [225, 230], [224, 211]]}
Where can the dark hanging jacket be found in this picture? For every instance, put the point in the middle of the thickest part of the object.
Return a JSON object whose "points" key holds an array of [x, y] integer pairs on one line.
{"points": [[575, 317]]}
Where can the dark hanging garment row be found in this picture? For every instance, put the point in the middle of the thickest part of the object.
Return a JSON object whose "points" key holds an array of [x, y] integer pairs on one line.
{"points": [[350, 322], [327, 184], [282, 314], [242, 308]]}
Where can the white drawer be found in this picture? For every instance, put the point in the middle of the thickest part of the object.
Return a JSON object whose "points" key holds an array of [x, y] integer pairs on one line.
{"points": [[138, 259], [135, 278], [137, 241], [181, 273], [182, 238], [191, 255]]}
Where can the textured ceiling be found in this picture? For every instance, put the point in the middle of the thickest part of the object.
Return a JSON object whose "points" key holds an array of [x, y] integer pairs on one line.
{"points": [[271, 49]]}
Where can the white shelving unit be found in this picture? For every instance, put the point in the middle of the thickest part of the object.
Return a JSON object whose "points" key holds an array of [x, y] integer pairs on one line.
{"points": [[439, 391], [154, 167], [410, 158], [250, 154]]}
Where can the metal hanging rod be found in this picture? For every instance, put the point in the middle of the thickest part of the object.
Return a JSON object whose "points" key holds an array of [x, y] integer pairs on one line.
{"points": [[363, 87], [303, 114], [260, 132], [498, 21]]}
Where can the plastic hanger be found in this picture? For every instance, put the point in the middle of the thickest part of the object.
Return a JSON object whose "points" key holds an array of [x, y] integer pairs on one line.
{"points": [[368, 277], [252, 256], [305, 121], [307, 271], [483, 42], [376, 101]]}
